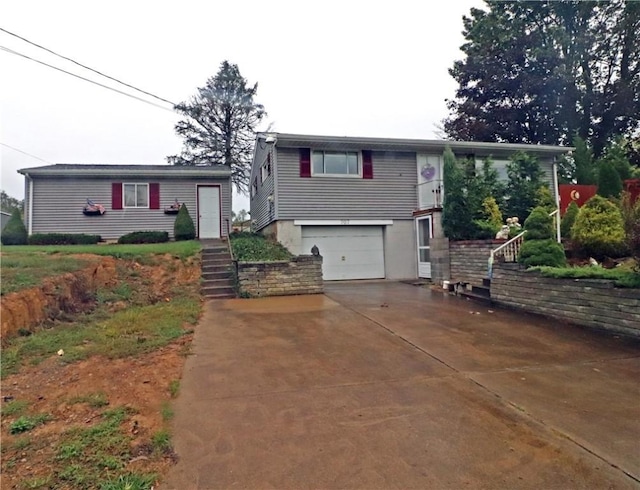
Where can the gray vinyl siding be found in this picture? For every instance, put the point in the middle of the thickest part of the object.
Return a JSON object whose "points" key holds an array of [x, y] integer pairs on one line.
{"points": [[391, 194], [261, 210], [58, 204]]}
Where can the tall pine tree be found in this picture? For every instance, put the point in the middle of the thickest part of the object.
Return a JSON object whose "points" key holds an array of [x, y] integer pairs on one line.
{"points": [[220, 125]]}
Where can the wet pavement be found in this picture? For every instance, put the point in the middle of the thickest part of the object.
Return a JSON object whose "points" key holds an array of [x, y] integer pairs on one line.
{"points": [[383, 385]]}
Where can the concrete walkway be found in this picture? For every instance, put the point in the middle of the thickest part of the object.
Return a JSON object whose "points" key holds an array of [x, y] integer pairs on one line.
{"points": [[390, 386]]}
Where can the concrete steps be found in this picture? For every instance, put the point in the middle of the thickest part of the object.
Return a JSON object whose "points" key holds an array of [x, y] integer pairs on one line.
{"points": [[477, 292], [217, 271]]}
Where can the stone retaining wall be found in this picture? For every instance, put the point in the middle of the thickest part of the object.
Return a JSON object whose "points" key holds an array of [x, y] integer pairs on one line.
{"points": [[589, 302], [469, 259], [300, 275]]}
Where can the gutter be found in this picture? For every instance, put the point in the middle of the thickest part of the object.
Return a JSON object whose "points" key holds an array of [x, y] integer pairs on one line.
{"points": [[30, 210]]}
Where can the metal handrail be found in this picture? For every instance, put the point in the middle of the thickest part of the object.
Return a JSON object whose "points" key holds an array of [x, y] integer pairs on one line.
{"points": [[513, 240]]}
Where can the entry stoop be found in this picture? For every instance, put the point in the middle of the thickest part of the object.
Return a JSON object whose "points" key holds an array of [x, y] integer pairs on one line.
{"points": [[217, 270]]}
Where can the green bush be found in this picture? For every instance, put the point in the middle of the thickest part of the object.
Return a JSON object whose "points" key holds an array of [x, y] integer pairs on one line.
{"points": [[14, 233], [63, 239], [252, 247], [545, 199], [631, 220], [569, 219], [183, 228], [599, 230], [145, 237], [542, 252], [539, 225]]}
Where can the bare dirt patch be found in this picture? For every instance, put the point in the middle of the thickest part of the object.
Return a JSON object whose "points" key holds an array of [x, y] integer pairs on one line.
{"points": [[76, 395]]}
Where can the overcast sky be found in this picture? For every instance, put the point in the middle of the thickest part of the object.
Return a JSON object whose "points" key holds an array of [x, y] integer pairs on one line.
{"points": [[345, 68]]}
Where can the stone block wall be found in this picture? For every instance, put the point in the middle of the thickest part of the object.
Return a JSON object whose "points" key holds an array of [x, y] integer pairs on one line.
{"points": [[439, 255], [590, 302], [469, 259], [300, 275]]}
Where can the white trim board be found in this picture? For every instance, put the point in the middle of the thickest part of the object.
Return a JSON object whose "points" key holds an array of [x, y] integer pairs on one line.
{"points": [[342, 222]]}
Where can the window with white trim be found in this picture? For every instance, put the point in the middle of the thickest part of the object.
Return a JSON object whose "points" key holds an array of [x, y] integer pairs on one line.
{"points": [[136, 195], [338, 163]]}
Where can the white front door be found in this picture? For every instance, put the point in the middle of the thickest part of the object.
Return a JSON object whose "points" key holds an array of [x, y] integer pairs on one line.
{"points": [[348, 252], [208, 212], [423, 228]]}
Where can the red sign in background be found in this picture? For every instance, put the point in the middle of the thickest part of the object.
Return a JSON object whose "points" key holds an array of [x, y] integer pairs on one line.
{"points": [[575, 193], [632, 186]]}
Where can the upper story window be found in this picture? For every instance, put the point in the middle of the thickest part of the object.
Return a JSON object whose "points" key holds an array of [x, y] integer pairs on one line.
{"points": [[342, 163], [254, 187], [265, 169], [136, 195]]}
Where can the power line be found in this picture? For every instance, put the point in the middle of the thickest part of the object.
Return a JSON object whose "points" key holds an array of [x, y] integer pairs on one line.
{"points": [[86, 67], [83, 78], [25, 153]]}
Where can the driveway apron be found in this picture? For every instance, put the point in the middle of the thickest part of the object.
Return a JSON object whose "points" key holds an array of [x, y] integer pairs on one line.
{"points": [[384, 385]]}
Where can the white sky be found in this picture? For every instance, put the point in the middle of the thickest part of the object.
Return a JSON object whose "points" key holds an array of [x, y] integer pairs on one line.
{"points": [[345, 68]]}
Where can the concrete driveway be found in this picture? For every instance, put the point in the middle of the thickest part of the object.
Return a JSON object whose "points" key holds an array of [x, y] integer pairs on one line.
{"points": [[389, 386]]}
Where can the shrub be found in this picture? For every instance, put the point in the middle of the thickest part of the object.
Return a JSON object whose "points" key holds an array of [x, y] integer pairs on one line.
{"points": [[542, 252], [145, 237], [569, 219], [252, 247], [14, 233], [631, 220], [183, 228], [540, 247], [539, 225], [63, 239], [599, 229], [609, 182], [545, 199]]}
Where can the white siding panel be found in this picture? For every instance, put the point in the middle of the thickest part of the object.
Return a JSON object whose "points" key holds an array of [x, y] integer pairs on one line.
{"points": [[391, 194], [348, 252], [58, 204]]}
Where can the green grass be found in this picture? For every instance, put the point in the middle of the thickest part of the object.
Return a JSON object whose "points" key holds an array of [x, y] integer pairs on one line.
{"points": [[166, 411], [174, 387], [28, 422], [252, 247], [24, 266], [130, 481], [128, 332], [161, 441], [14, 407], [183, 249], [26, 270], [94, 400], [623, 277]]}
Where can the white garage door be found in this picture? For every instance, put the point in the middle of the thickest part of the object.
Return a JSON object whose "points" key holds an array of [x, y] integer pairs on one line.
{"points": [[348, 252]]}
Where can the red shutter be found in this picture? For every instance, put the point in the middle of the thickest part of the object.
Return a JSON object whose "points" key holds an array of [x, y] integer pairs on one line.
{"points": [[367, 165], [154, 196], [305, 162], [116, 195]]}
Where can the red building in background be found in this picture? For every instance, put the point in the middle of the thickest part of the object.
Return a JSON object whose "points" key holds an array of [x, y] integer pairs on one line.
{"points": [[575, 193]]}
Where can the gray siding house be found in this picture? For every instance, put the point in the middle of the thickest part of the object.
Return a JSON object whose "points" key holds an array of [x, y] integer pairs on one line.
{"points": [[371, 205], [130, 197]]}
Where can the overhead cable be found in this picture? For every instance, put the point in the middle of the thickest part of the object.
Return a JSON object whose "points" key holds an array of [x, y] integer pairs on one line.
{"points": [[3, 48], [25, 153], [86, 67]]}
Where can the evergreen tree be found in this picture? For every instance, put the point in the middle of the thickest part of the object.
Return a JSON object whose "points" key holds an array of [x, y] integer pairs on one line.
{"points": [[585, 169], [609, 182], [14, 232], [183, 227], [220, 125], [540, 72], [525, 180], [456, 220], [568, 220], [599, 229]]}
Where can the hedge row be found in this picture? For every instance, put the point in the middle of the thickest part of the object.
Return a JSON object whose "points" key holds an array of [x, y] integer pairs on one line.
{"points": [[63, 239], [145, 237]]}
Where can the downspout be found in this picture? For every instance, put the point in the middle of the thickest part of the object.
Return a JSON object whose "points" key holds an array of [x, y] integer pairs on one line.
{"points": [[557, 197], [30, 210]]}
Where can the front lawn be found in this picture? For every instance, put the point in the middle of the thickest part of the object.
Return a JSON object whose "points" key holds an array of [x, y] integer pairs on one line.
{"points": [[624, 277]]}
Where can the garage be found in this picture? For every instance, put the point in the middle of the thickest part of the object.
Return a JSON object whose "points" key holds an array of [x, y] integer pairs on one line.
{"points": [[348, 252]]}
